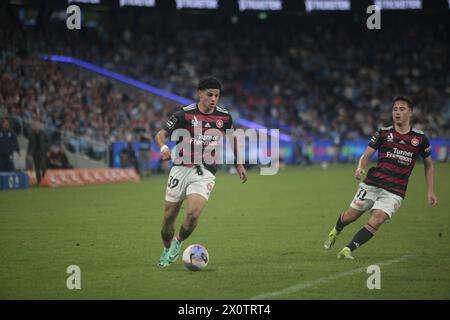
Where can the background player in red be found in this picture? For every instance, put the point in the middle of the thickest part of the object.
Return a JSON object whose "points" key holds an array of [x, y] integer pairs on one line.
{"points": [[385, 185], [194, 179]]}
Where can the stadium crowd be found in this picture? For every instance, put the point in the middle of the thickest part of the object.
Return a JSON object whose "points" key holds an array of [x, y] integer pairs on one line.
{"points": [[82, 108], [340, 87]]}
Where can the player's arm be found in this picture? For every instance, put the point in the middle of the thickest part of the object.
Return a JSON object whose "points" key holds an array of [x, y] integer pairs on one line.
{"points": [[425, 153], [175, 121], [363, 162], [161, 138], [429, 176], [240, 164], [374, 144], [237, 156]]}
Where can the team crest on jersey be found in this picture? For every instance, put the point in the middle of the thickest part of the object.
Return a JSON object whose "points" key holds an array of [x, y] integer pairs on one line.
{"points": [[415, 142], [390, 137], [219, 123], [209, 186]]}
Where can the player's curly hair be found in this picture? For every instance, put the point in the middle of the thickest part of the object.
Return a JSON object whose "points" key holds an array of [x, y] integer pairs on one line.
{"points": [[404, 99], [209, 83]]}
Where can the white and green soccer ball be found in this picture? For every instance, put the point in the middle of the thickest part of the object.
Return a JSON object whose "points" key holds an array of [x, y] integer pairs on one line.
{"points": [[195, 257]]}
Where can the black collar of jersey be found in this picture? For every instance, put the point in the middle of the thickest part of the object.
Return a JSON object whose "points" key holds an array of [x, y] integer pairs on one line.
{"points": [[206, 114], [403, 134]]}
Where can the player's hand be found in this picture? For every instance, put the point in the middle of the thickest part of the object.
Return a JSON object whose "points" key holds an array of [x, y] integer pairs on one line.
{"points": [[432, 199], [242, 172], [165, 154], [359, 172]]}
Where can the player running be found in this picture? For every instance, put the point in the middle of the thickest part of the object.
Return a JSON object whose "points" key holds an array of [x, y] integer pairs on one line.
{"points": [[385, 185], [193, 179]]}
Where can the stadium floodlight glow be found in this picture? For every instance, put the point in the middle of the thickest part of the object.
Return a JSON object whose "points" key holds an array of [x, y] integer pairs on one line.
{"points": [[327, 5], [257, 126], [197, 4], [84, 1], [151, 89], [118, 77], [398, 4], [138, 3], [271, 5]]}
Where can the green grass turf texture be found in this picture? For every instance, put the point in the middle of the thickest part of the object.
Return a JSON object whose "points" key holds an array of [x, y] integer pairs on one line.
{"points": [[263, 236]]}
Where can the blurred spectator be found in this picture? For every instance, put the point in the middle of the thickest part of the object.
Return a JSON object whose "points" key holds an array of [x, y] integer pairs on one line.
{"points": [[8, 145], [37, 149], [145, 149], [128, 157], [57, 158]]}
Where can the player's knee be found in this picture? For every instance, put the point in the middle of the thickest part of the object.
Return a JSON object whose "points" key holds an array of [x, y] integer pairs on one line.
{"points": [[378, 218], [171, 212], [193, 213], [169, 217]]}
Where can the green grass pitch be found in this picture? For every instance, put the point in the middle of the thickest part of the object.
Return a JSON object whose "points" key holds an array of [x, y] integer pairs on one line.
{"points": [[263, 237]]}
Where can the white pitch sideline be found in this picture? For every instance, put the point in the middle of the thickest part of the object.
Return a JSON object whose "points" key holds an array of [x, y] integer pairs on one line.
{"points": [[302, 286]]}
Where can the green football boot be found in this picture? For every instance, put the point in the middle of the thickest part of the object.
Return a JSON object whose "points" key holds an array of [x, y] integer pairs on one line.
{"points": [[163, 260], [331, 238], [174, 251], [345, 253]]}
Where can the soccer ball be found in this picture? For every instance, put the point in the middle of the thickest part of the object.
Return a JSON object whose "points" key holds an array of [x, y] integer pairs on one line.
{"points": [[195, 257]]}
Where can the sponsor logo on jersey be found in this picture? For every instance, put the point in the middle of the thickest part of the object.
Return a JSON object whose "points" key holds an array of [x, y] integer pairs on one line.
{"points": [[403, 152], [205, 140], [195, 122], [207, 125], [404, 157]]}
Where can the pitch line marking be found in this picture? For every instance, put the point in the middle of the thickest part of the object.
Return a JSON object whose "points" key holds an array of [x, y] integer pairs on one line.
{"points": [[301, 286]]}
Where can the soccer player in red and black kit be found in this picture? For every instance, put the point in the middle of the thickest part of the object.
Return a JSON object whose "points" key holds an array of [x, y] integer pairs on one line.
{"points": [[192, 176], [385, 185]]}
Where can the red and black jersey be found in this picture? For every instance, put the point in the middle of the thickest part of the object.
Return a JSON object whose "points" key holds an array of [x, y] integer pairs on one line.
{"points": [[397, 155], [205, 131]]}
